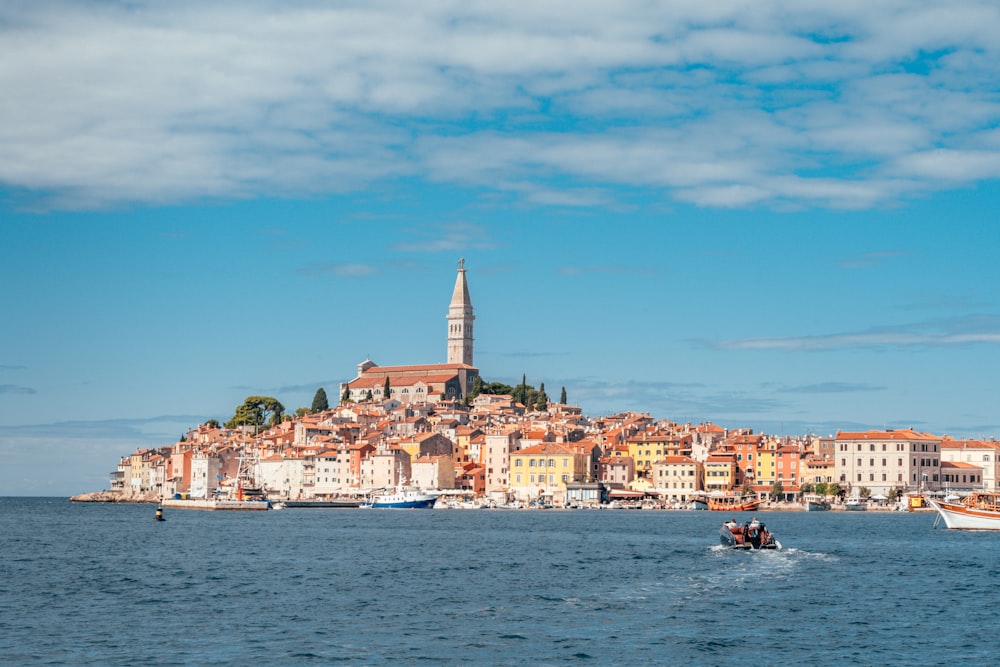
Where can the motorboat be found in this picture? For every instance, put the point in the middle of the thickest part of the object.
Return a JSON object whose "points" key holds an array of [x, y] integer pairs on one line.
{"points": [[980, 510], [855, 504], [814, 503], [752, 535]]}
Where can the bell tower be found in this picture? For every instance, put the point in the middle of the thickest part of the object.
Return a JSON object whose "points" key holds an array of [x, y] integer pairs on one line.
{"points": [[460, 320]]}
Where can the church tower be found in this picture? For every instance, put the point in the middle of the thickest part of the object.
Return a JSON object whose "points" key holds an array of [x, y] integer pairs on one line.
{"points": [[460, 321]]}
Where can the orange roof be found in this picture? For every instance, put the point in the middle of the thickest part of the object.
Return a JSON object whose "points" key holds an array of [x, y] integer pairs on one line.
{"points": [[889, 434], [676, 459], [544, 448]]}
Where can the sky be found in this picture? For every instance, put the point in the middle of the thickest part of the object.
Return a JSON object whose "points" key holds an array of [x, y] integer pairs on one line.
{"points": [[769, 215]]}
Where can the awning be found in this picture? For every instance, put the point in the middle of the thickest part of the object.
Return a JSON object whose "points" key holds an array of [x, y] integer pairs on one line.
{"points": [[622, 493]]}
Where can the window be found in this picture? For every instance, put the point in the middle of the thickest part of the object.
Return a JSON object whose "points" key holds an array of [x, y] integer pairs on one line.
{"points": [[531, 464], [552, 463], [517, 463]]}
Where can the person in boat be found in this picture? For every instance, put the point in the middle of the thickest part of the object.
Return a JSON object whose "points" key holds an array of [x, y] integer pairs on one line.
{"points": [[731, 524], [754, 523]]}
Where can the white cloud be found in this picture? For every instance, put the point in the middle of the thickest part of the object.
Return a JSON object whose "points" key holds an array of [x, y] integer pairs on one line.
{"points": [[722, 104], [976, 330]]}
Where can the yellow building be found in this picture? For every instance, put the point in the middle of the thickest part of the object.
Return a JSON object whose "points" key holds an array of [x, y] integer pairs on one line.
{"points": [[765, 470], [543, 470], [720, 472], [648, 448]]}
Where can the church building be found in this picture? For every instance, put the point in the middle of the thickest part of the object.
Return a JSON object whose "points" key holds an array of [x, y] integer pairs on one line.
{"points": [[426, 383]]}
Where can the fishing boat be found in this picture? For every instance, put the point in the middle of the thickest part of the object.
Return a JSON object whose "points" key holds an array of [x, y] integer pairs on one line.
{"points": [[733, 503], [980, 510], [816, 503], [751, 535], [403, 497], [855, 504]]}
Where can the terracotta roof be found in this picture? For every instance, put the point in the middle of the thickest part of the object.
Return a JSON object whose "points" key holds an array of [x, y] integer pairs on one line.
{"points": [[890, 434], [544, 448]]}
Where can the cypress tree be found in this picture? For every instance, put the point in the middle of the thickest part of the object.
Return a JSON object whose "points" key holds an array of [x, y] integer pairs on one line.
{"points": [[320, 403], [562, 396]]}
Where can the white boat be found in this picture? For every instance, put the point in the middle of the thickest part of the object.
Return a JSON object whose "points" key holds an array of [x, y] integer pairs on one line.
{"points": [[855, 504], [403, 497], [980, 510], [815, 503]]}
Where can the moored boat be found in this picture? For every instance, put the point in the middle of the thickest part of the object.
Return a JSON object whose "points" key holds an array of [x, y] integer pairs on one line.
{"points": [[855, 504], [751, 535], [733, 504], [816, 503], [403, 497], [980, 510]]}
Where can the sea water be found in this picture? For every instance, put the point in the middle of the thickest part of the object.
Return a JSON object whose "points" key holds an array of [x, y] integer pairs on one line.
{"points": [[92, 584]]}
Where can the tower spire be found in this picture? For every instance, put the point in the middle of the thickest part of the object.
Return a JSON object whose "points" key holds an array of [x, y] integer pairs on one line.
{"points": [[460, 320]]}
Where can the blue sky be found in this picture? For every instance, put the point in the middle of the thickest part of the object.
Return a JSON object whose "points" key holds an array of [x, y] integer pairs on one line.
{"points": [[775, 215]]}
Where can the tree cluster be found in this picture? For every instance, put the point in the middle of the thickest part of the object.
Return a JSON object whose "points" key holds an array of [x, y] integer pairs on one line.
{"points": [[257, 411]]}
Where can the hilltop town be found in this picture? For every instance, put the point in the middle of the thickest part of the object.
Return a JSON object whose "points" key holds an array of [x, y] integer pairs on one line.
{"points": [[440, 427]]}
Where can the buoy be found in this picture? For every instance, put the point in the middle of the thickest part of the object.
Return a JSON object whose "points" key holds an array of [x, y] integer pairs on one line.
{"points": [[159, 514]]}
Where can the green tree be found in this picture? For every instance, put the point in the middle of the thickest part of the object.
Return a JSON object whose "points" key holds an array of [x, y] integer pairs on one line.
{"points": [[212, 423], [778, 490], [747, 488], [541, 399], [562, 396], [834, 490], [520, 394], [822, 488], [257, 411], [498, 389], [346, 396], [319, 401], [476, 390], [368, 396], [386, 389], [865, 492], [302, 412], [806, 487]]}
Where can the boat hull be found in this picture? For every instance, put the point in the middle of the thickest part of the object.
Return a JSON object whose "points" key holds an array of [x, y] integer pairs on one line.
{"points": [[733, 505], [959, 517], [405, 504], [817, 507], [855, 507]]}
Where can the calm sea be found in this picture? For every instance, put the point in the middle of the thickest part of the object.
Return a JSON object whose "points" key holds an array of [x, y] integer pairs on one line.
{"points": [[88, 584]]}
